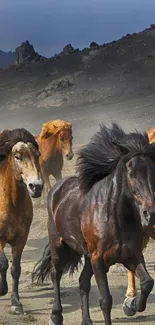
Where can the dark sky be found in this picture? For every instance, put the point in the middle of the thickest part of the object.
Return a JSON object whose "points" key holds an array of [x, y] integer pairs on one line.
{"points": [[51, 24]]}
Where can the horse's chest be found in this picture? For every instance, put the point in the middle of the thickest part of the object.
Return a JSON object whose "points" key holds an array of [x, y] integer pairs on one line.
{"points": [[111, 255], [53, 161]]}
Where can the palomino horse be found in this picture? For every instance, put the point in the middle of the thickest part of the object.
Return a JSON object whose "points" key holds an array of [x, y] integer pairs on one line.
{"points": [[20, 178], [54, 140], [101, 213], [149, 232]]}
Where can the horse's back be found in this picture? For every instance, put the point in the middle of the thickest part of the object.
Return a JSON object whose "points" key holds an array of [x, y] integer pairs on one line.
{"points": [[66, 183]]}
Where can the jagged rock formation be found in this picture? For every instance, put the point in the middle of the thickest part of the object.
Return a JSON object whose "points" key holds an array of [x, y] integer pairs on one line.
{"points": [[93, 45], [68, 49], [26, 53]]}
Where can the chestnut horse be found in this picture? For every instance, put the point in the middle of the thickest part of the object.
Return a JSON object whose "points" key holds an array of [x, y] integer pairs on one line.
{"points": [[54, 140], [149, 232], [101, 214], [20, 178]]}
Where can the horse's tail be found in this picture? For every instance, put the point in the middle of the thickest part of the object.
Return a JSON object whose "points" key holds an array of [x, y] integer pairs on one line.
{"points": [[42, 269]]}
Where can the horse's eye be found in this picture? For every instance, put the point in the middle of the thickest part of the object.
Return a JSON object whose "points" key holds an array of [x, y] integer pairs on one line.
{"points": [[131, 175], [62, 139], [18, 157]]}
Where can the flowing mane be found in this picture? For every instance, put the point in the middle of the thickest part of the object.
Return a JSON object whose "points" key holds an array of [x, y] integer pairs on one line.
{"points": [[8, 138], [54, 126], [101, 155]]}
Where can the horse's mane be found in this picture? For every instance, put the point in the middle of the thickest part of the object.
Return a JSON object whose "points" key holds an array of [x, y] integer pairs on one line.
{"points": [[54, 126], [8, 138], [101, 155]]}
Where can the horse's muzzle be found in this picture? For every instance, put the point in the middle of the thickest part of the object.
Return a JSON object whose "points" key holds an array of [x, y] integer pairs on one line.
{"points": [[35, 188], [149, 216], [69, 155]]}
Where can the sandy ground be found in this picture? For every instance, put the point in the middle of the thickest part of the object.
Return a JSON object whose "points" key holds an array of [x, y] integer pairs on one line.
{"points": [[37, 300], [116, 82]]}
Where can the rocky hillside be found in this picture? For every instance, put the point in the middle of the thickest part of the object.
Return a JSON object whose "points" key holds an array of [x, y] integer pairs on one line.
{"points": [[87, 85], [6, 58]]}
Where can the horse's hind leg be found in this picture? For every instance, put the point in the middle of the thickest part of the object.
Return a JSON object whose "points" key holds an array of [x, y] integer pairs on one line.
{"points": [[84, 284], [16, 305], [133, 304], [102, 282], [3, 272], [56, 316]]}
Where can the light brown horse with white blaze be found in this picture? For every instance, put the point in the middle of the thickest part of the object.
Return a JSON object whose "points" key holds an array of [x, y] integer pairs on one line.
{"points": [[20, 178], [55, 140]]}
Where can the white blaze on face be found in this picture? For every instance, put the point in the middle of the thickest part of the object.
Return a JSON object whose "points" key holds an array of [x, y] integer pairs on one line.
{"points": [[27, 165]]}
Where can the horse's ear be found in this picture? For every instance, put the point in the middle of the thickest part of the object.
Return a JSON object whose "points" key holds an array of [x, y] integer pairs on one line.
{"points": [[47, 130], [122, 147], [55, 126], [45, 133]]}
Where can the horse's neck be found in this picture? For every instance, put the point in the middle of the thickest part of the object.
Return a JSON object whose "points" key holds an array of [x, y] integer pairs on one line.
{"points": [[49, 146], [123, 200], [10, 188]]}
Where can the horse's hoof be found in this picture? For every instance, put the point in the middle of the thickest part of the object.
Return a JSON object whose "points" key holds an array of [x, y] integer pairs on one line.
{"points": [[128, 308], [17, 310], [51, 323], [87, 322]]}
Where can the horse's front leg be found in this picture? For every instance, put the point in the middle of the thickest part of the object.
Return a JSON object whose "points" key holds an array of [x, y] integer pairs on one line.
{"points": [[131, 289], [84, 284], [16, 306], [102, 282], [133, 304], [3, 272], [58, 176], [46, 189]]}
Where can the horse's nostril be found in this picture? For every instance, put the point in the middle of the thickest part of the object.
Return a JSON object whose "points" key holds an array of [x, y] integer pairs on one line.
{"points": [[31, 186], [145, 213], [36, 187], [69, 155]]}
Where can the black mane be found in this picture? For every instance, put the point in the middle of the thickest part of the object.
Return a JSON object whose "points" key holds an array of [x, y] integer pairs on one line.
{"points": [[8, 138], [101, 155]]}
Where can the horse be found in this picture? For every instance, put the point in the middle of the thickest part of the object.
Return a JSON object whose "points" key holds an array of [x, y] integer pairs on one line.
{"points": [[20, 179], [100, 213], [131, 291], [54, 140]]}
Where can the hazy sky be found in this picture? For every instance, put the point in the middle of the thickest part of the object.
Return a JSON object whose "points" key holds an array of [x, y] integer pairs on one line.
{"points": [[51, 24]]}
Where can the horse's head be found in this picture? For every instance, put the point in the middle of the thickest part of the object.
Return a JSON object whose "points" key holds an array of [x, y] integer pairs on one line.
{"points": [[25, 160], [65, 142], [141, 181], [62, 132], [20, 147]]}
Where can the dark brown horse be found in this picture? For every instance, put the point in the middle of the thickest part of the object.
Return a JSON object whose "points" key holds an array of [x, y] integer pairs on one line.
{"points": [[20, 178], [101, 213]]}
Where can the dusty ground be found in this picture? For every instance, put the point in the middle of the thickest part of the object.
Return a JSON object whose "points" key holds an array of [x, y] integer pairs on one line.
{"points": [[37, 301], [115, 82]]}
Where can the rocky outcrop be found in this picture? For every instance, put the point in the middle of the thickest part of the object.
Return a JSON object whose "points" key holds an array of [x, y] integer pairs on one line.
{"points": [[93, 45], [26, 53], [68, 49]]}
